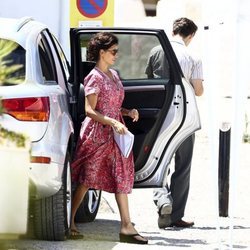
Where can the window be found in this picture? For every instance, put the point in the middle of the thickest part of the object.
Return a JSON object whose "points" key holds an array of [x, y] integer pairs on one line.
{"points": [[62, 57], [46, 60], [12, 62], [133, 56]]}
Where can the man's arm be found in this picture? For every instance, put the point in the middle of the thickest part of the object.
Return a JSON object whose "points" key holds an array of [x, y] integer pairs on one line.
{"points": [[198, 86], [197, 77]]}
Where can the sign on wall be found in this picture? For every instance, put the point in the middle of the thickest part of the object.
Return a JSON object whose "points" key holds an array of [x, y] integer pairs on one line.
{"points": [[91, 13]]}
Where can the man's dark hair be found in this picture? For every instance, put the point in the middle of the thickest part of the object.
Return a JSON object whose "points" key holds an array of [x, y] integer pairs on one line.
{"points": [[184, 27]]}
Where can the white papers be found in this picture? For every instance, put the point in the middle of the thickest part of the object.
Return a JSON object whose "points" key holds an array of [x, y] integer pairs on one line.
{"points": [[125, 142]]}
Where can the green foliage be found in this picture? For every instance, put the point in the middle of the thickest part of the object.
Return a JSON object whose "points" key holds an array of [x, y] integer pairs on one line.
{"points": [[7, 136], [6, 70]]}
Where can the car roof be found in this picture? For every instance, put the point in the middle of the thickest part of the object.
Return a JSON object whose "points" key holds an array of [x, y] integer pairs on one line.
{"points": [[20, 29]]}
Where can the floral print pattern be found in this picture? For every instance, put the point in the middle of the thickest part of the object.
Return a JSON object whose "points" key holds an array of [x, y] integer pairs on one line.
{"points": [[98, 162]]}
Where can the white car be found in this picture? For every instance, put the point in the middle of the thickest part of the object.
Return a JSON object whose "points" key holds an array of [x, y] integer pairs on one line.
{"points": [[48, 105]]}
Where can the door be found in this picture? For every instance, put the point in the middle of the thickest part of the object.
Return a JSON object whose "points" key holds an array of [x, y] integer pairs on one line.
{"points": [[166, 103]]}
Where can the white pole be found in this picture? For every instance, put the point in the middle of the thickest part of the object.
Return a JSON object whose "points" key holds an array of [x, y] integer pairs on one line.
{"points": [[212, 101], [241, 66], [211, 86]]}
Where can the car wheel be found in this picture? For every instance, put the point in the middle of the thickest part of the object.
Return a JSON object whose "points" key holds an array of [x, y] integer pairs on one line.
{"points": [[89, 207], [52, 214]]}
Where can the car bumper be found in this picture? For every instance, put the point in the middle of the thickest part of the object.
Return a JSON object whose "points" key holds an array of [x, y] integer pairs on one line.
{"points": [[45, 179]]}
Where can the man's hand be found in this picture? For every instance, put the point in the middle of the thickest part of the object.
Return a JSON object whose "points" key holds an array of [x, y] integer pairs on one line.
{"points": [[134, 114]]}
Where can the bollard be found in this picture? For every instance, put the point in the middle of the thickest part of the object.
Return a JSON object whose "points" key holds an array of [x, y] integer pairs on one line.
{"points": [[223, 170]]}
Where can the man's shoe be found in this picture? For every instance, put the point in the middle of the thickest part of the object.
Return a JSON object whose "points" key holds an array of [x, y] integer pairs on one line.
{"points": [[164, 221], [165, 209], [182, 223]]}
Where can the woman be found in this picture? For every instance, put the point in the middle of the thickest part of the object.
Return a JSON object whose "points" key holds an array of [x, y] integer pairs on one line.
{"points": [[98, 162]]}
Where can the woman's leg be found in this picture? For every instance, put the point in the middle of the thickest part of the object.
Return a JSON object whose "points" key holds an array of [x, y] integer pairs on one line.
{"points": [[127, 227], [79, 194]]}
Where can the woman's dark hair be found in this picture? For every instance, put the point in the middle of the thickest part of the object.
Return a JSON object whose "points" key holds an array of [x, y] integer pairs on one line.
{"points": [[184, 27], [102, 40]]}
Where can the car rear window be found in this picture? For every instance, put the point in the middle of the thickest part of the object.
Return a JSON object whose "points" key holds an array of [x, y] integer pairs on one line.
{"points": [[12, 62]]}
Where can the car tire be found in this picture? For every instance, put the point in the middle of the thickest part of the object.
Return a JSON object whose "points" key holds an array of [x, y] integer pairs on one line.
{"points": [[88, 209], [52, 214]]}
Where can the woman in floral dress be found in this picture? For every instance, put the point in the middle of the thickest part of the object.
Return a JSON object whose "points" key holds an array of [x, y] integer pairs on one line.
{"points": [[98, 162]]}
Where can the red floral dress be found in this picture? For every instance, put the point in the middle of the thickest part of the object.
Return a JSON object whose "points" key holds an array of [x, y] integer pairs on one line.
{"points": [[98, 162]]}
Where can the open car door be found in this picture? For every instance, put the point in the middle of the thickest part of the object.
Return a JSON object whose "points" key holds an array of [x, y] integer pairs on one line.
{"points": [[167, 106]]}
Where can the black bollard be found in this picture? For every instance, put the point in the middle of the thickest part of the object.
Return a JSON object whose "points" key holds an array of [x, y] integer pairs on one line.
{"points": [[224, 167]]}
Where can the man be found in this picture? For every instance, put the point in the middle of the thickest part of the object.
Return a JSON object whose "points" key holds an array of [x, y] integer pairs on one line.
{"points": [[171, 200]]}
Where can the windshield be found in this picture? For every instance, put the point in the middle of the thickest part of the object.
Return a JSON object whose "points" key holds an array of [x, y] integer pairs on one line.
{"points": [[12, 62]]}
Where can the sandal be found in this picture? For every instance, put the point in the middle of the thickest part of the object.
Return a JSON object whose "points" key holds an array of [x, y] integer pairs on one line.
{"points": [[132, 238], [75, 235]]}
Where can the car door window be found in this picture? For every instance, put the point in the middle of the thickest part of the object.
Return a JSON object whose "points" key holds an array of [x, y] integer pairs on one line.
{"points": [[134, 54], [53, 61], [46, 60], [62, 57]]}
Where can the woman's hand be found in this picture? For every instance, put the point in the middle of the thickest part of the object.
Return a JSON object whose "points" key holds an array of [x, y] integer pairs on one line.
{"points": [[119, 127], [134, 114]]}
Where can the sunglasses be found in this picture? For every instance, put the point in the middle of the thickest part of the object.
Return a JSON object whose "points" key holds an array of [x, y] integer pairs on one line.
{"points": [[113, 51]]}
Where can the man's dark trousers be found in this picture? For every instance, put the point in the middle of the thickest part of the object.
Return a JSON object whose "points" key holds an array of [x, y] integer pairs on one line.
{"points": [[177, 193]]}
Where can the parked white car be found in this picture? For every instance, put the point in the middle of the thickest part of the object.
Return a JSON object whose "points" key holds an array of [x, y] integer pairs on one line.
{"points": [[48, 105]]}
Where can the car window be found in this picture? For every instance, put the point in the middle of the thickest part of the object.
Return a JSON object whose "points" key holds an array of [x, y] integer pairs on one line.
{"points": [[62, 57], [58, 56], [12, 62], [46, 60], [134, 54]]}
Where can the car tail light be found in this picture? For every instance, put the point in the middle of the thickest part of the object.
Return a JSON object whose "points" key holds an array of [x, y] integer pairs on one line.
{"points": [[28, 109]]}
